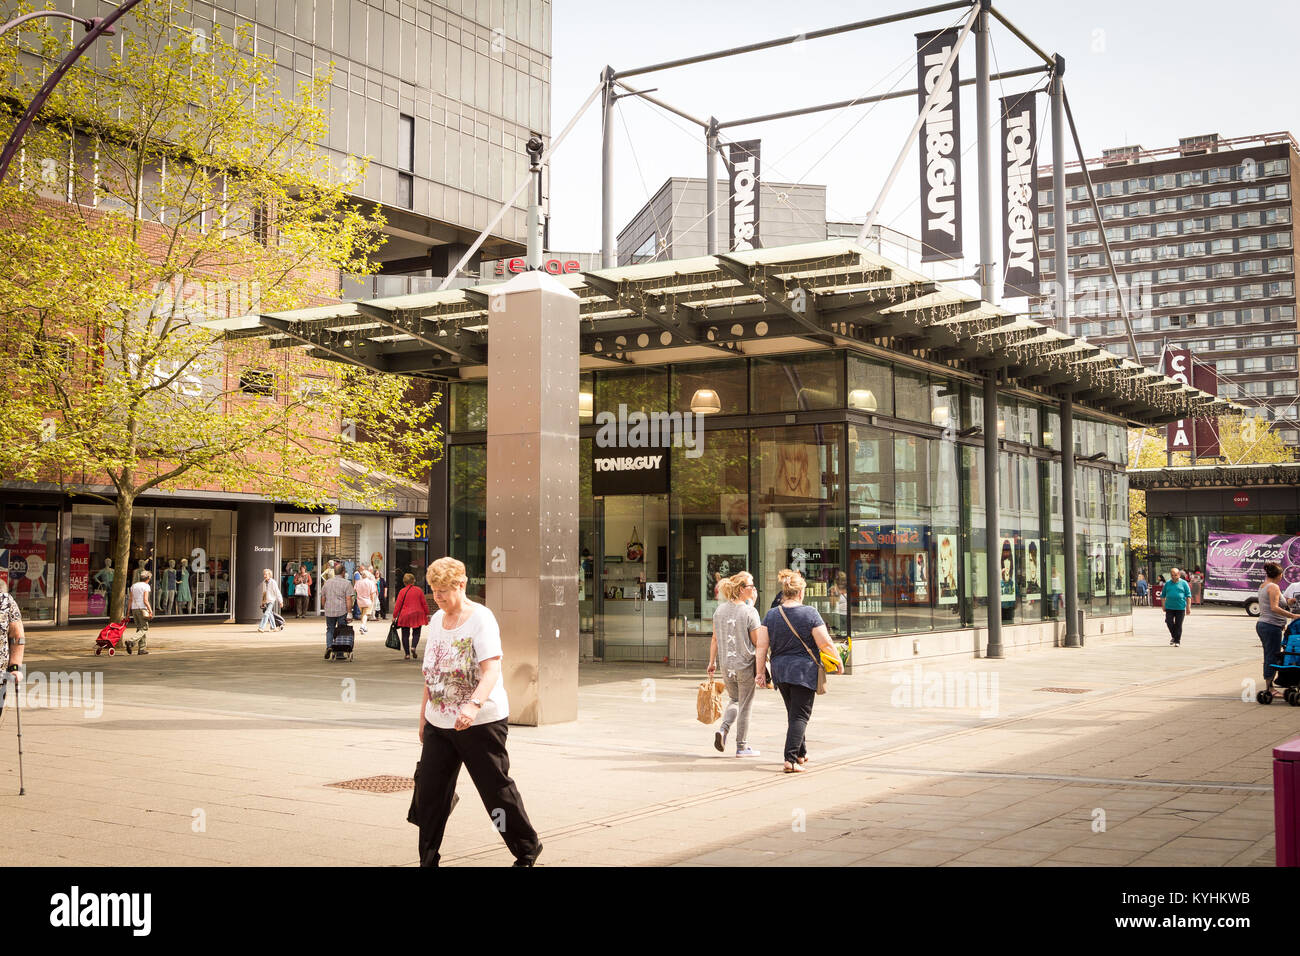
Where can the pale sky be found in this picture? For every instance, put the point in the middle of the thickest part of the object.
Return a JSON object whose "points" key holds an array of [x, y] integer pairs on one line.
{"points": [[1137, 72]]}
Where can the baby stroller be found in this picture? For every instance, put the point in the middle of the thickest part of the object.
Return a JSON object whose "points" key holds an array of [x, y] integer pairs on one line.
{"points": [[1288, 669], [110, 637], [344, 640]]}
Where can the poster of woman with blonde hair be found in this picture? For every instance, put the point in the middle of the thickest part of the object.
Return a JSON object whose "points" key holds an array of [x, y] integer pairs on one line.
{"points": [[791, 470]]}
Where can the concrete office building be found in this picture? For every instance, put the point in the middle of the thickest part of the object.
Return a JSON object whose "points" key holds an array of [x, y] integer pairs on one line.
{"points": [[1204, 232], [442, 98], [672, 225]]}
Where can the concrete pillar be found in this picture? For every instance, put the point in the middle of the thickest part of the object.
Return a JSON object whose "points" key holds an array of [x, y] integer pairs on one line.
{"points": [[532, 494], [254, 550]]}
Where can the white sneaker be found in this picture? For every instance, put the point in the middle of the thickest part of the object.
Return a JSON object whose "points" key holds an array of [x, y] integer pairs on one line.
{"points": [[364, 629], [747, 752]]}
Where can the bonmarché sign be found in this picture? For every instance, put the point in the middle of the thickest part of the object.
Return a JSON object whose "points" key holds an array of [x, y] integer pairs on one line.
{"points": [[307, 526]]}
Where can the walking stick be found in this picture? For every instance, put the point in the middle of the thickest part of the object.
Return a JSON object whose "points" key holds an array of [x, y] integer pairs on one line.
{"points": [[18, 711]]}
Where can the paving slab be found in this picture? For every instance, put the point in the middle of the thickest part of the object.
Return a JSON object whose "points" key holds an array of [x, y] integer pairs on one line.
{"points": [[1161, 762]]}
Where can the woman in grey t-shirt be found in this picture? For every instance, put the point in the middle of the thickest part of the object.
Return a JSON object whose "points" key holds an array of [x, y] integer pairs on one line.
{"points": [[740, 645]]}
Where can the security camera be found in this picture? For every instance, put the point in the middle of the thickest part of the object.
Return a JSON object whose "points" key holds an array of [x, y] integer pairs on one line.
{"points": [[535, 147]]}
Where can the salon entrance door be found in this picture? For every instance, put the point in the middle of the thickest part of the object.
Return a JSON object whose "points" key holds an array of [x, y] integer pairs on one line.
{"points": [[632, 615]]}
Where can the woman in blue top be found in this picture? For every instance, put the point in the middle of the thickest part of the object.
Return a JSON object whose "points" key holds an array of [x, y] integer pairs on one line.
{"points": [[794, 660]]}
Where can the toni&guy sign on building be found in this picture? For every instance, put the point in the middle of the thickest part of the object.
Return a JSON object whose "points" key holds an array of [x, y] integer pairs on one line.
{"points": [[940, 148], [742, 163], [1020, 193]]}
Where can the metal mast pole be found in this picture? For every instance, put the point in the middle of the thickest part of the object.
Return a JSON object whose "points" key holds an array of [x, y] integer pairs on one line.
{"points": [[993, 534], [711, 185], [984, 166], [1068, 537], [1057, 93], [534, 253], [607, 258]]}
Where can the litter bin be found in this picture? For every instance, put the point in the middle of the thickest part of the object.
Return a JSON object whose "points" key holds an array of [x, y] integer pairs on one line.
{"points": [[1286, 802]]}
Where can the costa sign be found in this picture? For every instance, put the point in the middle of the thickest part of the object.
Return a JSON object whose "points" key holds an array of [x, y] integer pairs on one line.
{"points": [[1202, 436], [554, 266], [940, 147], [1020, 193]]}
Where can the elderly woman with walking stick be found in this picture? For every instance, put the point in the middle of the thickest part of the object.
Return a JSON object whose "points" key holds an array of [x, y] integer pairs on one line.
{"points": [[463, 715]]}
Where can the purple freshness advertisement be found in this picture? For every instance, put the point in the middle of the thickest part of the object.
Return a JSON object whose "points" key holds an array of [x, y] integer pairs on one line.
{"points": [[1235, 562]]}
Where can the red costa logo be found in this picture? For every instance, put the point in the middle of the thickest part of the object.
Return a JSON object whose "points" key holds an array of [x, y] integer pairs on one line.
{"points": [[1241, 500], [554, 266]]}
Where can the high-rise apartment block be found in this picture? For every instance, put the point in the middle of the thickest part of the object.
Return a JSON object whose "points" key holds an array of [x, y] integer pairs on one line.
{"points": [[1203, 237]]}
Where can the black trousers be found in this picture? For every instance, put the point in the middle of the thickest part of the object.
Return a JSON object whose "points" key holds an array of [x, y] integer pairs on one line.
{"points": [[798, 710], [1174, 621], [482, 749], [410, 638]]}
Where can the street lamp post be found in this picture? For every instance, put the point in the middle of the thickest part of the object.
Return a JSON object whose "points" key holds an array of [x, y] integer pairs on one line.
{"points": [[96, 27]]}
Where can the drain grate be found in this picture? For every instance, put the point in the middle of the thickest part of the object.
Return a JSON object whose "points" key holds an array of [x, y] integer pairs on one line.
{"points": [[1066, 690], [384, 783]]}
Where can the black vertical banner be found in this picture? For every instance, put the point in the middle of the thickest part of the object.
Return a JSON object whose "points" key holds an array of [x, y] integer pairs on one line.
{"points": [[940, 148], [742, 165], [1019, 194]]}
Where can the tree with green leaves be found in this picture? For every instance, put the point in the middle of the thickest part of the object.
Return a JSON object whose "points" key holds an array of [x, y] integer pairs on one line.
{"points": [[1243, 440], [171, 184]]}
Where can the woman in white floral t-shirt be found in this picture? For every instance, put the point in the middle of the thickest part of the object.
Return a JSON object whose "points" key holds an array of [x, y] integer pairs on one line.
{"points": [[463, 717]]}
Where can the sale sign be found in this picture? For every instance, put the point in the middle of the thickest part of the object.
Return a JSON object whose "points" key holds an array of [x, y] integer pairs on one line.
{"points": [[79, 580]]}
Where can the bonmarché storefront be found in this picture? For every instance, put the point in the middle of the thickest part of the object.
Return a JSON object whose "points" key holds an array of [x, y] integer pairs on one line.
{"points": [[860, 470]]}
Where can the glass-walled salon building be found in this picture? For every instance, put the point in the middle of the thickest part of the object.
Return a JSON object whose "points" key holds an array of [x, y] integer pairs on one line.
{"points": [[862, 471]]}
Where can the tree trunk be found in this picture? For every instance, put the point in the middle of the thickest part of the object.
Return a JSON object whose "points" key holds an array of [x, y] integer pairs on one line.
{"points": [[122, 556]]}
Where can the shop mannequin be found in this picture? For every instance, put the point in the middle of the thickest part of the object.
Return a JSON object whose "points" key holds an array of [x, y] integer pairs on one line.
{"points": [[139, 568], [104, 576], [169, 588], [183, 598]]}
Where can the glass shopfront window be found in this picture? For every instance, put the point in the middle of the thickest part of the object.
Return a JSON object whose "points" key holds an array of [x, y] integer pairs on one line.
{"points": [[872, 586], [1055, 602], [468, 407], [641, 390], [588, 540], [797, 477], [698, 387], [904, 533], [797, 383], [974, 557], [1051, 420], [911, 394], [193, 548], [1011, 557], [29, 559], [468, 519], [186, 551], [1117, 535], [709, 516], [871, 385]]}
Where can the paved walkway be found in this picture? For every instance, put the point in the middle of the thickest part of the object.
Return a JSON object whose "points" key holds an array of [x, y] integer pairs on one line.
{"points": [[220, 746]]}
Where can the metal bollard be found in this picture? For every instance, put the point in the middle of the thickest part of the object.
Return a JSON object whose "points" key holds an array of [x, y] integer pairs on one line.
{"points": [[1286, 802], [1082, 636]]}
